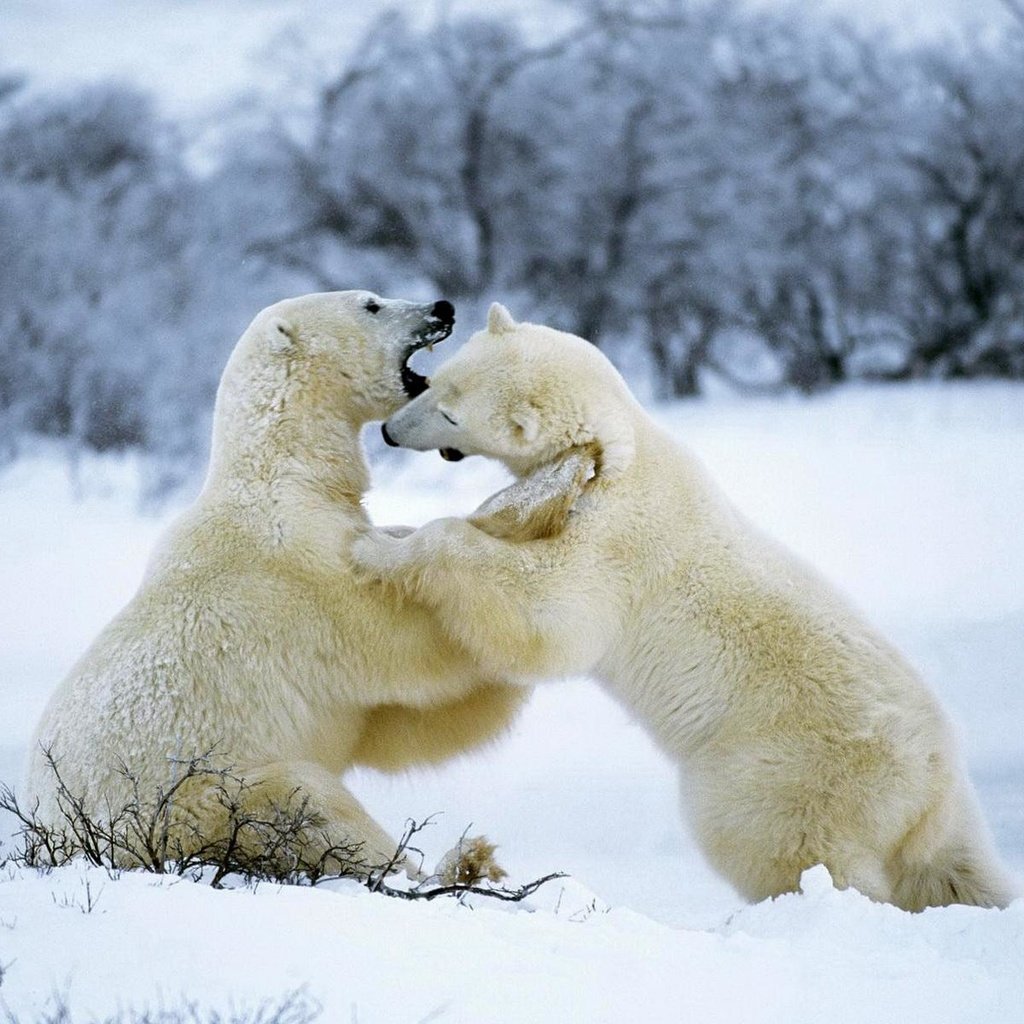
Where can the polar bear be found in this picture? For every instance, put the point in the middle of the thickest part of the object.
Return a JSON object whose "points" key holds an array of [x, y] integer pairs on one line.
{"points": [[801, 736], [250, 636]]}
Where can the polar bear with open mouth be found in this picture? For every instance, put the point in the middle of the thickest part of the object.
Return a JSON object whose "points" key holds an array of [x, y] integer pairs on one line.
{"points": [[250, 636]]}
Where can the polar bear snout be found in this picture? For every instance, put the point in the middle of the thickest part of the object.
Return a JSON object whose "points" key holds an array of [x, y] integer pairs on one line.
{"points": [[422, 425], [444, 310], [437, 324]]}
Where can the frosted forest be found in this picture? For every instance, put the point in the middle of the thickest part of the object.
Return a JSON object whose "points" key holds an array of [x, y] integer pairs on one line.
{"points": [[764, 199]]}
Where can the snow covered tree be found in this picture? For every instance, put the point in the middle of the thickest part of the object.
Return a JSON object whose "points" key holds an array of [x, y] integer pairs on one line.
{"points": [[762, 195], [966, 214], [121, 293]]}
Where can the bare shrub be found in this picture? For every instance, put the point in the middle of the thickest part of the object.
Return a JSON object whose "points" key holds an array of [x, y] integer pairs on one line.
{"points": [[294, 1007], [286, 843], [280, 843]]}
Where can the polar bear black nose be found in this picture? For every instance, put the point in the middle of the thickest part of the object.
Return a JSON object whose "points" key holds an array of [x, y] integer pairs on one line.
{"points": [[443, 310]]}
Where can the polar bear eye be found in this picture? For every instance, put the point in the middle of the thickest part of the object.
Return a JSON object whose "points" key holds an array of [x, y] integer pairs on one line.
{"points": [[454, 423], [372, 307]]}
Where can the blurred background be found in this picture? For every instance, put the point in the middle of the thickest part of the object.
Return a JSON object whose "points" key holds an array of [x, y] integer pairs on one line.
{"points": [[754, 197]]}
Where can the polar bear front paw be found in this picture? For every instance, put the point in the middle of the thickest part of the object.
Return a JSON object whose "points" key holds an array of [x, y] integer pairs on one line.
{"points": [[471, 860], [538, 506], [397, 531], [376, 555], [379, 555]]}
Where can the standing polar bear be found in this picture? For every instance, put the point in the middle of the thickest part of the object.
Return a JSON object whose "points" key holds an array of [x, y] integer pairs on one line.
{"points": [[250, 635], [802, 736]]}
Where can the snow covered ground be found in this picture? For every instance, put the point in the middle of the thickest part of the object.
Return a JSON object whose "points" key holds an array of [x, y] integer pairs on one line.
{"points": [[908, 498]]}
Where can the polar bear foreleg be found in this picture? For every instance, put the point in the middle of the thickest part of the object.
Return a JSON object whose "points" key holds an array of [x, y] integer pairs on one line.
{"points": [[520, 612], [396, 737]]}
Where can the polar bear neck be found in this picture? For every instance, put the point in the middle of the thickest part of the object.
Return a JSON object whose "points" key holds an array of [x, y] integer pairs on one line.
{"points": [[270, 443]]}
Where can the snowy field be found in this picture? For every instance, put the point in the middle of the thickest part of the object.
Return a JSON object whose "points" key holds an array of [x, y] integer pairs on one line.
{"points": [[908, 498]]}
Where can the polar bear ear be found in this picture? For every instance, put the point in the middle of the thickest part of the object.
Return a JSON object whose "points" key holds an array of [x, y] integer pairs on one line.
{"points": [[526, 421], [281, 334], [499, 319]]}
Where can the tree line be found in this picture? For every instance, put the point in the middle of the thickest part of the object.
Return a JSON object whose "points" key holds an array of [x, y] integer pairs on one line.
{"points": [[706, 192]]}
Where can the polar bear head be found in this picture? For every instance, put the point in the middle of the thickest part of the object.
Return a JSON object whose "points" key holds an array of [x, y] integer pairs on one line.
{"points": [[523, 394], [340, 356]]}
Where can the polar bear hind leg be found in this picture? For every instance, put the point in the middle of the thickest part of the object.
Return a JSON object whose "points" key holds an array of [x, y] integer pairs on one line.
{"points": [[772, 876], [949, 858], [292, 812], [962, 873]]}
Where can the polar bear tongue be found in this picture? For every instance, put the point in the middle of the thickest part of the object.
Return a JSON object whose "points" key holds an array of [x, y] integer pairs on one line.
{"points": [[450, 454]]}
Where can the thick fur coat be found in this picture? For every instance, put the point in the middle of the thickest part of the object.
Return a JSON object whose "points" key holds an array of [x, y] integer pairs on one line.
{"points": [[801, 735], [250, 638]]}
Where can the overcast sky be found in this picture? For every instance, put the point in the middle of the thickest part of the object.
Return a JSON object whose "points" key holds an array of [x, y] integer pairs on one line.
{"points": [[195, 53]]}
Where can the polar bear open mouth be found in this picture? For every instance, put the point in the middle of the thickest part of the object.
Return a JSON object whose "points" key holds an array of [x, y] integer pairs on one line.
{"points": [[434, 331]]}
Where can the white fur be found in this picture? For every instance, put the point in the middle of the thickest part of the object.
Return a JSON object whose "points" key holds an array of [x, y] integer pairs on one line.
{"points": [[802, 737], [250, 636]]}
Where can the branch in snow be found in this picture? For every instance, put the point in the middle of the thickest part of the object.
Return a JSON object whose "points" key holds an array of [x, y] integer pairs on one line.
{"points": [[458, 875], [494, 892]]}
